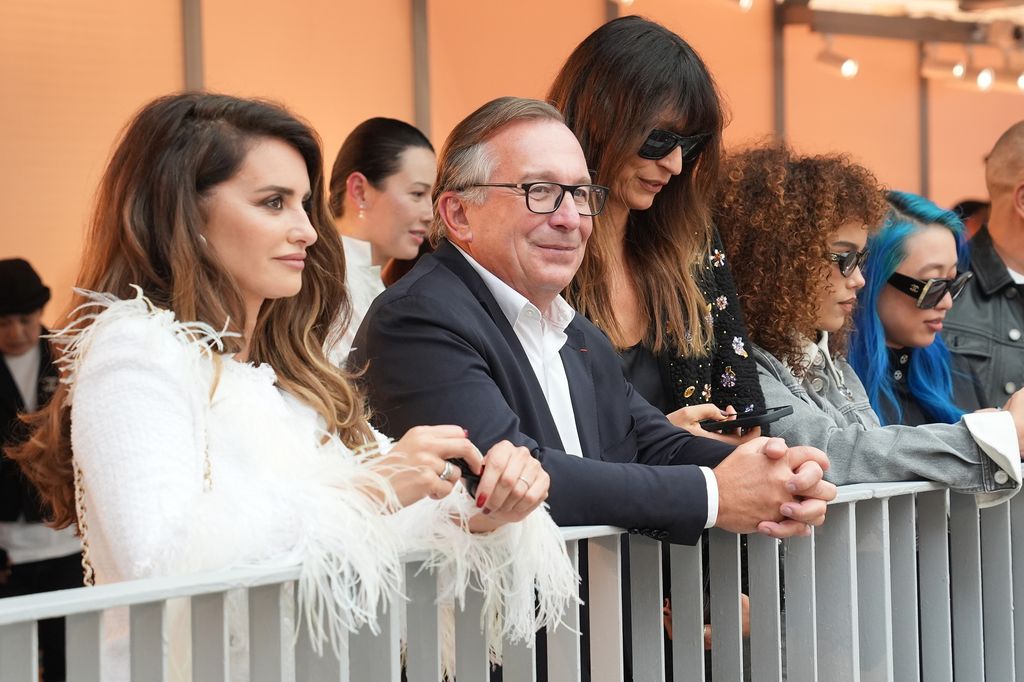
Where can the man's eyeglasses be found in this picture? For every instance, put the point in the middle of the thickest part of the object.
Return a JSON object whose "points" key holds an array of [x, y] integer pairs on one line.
{"points": [[546, 197], [848, 261], [660, 144], [928, 293]]}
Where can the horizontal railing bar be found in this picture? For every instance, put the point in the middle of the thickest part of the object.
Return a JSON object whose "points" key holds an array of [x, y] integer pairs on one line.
{"points": [[85, 600], [571, 533], [128, 593], [867, 491]]}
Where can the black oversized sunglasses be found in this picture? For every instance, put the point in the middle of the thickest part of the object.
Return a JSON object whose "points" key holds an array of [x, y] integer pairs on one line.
{"points": [[929, 292], [848, 261], [660, 144]]}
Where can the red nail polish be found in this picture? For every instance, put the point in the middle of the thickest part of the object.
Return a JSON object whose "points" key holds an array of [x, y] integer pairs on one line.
{"points": [[487, 511], [481, 500], [465, 433]]}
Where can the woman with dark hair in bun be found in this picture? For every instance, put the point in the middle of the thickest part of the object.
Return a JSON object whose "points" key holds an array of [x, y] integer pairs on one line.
{"points": [[380, 198]]}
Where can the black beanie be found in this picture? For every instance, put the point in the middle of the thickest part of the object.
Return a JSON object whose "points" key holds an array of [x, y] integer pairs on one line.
{"points": [[21, 290]]}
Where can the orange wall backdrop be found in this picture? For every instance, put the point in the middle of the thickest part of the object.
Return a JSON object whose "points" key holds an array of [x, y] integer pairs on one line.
{"points": [[964, 126], [873, 117], [335, 63], [75, 70], [482, 50]]}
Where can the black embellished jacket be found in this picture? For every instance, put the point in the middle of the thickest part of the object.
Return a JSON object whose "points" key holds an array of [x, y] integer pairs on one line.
{"points": [[726, 375]]}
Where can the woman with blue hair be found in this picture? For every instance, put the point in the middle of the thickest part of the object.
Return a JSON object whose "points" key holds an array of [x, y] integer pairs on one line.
{"points": [[918, 266]]}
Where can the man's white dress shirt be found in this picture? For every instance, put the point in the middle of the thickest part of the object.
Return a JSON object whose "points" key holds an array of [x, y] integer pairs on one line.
{"points": [[542, 335]]}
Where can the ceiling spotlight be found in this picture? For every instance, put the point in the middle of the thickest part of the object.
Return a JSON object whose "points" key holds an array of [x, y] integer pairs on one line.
{"points": [[828, 57], [985, 79], [1010, 78], [746, 5]]}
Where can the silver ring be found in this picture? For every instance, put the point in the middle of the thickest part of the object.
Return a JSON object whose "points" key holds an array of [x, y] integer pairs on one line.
{"points": [[528, 483], [446, 472]]}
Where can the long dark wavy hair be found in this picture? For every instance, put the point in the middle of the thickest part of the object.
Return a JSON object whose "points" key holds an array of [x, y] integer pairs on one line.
{"points": [[146, 231], [613, 90]]}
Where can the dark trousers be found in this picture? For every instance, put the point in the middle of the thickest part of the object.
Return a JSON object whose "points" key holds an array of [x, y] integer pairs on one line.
{"points": [[46, 576]]}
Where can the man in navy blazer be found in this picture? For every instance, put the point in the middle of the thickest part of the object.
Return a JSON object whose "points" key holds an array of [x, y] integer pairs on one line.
{"points": [[478, 335]]}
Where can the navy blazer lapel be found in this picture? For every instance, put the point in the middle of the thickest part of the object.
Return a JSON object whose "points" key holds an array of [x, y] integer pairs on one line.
{"points": [[450, 257], [576, 360]]}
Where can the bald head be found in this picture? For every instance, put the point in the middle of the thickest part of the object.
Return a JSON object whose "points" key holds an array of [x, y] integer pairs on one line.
{"points": [[1004, 168]]}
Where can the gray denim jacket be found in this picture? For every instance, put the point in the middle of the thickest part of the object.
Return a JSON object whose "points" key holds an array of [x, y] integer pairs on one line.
{"points": [[831, 412], [986, 325]]}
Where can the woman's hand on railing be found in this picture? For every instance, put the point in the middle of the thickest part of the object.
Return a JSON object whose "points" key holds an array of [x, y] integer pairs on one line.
{"points": [[689, 418], [512, 485], [416, 463]]}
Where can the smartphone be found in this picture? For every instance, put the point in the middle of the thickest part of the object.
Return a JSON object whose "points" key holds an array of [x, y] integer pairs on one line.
{"points": [[748, 420], [469, 479]]}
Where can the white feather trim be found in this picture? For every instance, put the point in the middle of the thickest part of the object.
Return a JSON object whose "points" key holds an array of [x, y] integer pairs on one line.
{"points": [[281, 491], [522, 569]]}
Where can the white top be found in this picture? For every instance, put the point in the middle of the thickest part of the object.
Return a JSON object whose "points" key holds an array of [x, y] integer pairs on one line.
{"points": [[1017, 277], [25, 370], [542, 335], [364, 284], [150, 411], [29, 542]]}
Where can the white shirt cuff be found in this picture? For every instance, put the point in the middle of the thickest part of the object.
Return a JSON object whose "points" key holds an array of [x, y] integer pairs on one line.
{"points": [[996, 435], [712, 482]]}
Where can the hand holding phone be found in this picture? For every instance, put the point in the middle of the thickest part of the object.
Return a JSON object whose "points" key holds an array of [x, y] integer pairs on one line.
{"points": [[748, 420]]}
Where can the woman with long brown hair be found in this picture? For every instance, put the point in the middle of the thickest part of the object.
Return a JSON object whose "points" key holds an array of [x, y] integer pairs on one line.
{"points": [[655, 277], [199, 423]]}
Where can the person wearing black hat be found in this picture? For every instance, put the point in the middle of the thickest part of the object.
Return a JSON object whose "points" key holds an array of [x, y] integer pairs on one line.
{"points": [[33, 557]]}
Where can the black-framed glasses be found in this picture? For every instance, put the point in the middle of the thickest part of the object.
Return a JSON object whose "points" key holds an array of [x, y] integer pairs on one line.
{"points": [[546, 197], [660, 144], [849, 261], [929, 292]]}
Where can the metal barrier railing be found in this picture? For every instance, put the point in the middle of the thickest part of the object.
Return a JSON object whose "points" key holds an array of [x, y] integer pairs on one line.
{"points": [[892, 587]]}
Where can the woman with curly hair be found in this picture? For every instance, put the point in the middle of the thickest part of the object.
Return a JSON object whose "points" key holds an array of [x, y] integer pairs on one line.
{"points": [[654, 277], [199, 424], [797, 227], [918, 267]]}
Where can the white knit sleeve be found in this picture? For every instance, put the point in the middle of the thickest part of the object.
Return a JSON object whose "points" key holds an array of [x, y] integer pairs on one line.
{"points": [[138, 437]]}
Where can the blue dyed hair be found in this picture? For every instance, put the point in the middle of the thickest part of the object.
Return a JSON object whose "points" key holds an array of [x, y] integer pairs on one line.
{"points": [[930, 373]]}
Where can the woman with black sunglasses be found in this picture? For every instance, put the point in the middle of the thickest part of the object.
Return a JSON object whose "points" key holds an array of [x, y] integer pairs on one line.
{"points": [[917, 269], [800, 226], [655, 276]]}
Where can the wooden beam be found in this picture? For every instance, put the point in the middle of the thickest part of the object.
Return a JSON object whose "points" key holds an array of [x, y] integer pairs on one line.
{"points": [[192, 43], [421, 66]]}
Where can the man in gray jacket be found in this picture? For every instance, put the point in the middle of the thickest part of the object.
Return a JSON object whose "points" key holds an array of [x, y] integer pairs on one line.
{"points": [[987, 323]]}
